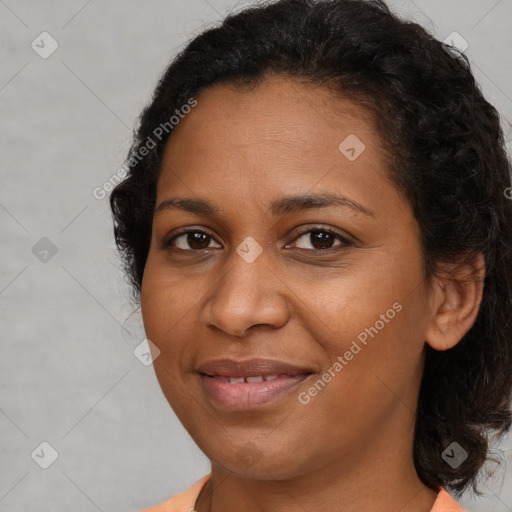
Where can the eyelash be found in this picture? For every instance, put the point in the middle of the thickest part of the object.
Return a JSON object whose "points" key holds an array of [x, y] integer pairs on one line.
{"points": [[345, 242]]}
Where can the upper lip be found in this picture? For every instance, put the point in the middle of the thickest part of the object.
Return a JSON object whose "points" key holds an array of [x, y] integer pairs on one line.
{"points": [[250, 368]]}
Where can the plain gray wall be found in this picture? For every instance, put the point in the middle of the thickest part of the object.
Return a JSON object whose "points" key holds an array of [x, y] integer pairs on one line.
{"points": [[68, 376]]}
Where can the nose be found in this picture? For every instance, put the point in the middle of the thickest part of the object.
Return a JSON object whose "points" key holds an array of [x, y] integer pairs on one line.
{"points": [[247, 294]]}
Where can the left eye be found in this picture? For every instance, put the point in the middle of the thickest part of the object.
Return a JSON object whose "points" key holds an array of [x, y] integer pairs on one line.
{"points": [[322, 239]]}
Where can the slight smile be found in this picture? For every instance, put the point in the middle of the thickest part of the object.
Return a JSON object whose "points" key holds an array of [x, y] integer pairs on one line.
{"points": [[248, 384]]}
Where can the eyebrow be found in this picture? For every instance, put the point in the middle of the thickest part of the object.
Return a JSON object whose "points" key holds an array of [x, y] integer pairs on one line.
{"points": [[281, 206]]}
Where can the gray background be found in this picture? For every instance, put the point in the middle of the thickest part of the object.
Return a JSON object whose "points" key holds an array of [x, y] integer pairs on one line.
{"points": [[67, 372]]}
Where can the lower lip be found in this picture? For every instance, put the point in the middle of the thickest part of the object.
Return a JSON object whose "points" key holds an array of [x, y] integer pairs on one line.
{"points": [[249, 395]]}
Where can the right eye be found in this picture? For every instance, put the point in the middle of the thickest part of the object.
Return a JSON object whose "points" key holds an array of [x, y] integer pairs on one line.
{"points": [[190, 240]]}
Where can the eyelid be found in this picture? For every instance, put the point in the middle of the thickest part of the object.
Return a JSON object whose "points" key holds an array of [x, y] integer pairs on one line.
{"points": [[167, 242], [345, 239]]}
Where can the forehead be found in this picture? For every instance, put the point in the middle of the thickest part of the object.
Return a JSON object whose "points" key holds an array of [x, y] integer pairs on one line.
{"points": [[279, 109], [280, 136]]}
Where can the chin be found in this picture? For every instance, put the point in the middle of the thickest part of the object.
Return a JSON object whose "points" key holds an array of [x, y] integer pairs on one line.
{"points": [[252, 464]]}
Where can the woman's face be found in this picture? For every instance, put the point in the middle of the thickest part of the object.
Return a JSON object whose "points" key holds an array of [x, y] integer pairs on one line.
{"points": [[262, 262]]}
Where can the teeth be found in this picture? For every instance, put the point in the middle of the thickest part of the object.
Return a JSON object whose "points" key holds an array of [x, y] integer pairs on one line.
{"points": [[254, 379], [259, 378]]}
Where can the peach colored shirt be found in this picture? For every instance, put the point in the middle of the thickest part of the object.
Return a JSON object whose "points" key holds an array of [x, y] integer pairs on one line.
{"points": [[185, 501]]}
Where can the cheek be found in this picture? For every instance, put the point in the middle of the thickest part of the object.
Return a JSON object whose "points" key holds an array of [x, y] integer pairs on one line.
{"points": [[163, 301], [368, 382], [349, 306], [161, 313], [170, 308], [380, 362], [374, 319]]}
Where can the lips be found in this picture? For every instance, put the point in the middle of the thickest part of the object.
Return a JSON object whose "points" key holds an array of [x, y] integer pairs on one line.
{"points": [[242, 385], [250, 368]]}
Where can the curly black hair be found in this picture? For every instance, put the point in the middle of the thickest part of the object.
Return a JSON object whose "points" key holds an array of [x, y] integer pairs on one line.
{"points": [[446, 155]]}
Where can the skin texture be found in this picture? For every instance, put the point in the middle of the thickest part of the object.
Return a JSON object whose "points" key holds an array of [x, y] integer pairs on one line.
{"points": [[350, 447]]}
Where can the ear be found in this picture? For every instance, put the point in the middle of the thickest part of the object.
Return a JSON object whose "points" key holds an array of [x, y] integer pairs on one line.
{"points": [[455, 301]]}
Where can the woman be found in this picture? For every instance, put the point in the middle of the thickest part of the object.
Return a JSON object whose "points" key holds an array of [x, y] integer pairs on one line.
{"points": [[317, 226]]}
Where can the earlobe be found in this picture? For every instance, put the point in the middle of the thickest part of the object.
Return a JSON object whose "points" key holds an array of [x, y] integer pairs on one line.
{"points": [[456, 301]]}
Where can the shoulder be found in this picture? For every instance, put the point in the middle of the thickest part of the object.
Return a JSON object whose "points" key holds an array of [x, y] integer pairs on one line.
{"points": [[185, 501], [445, 503], [182, 502]]}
